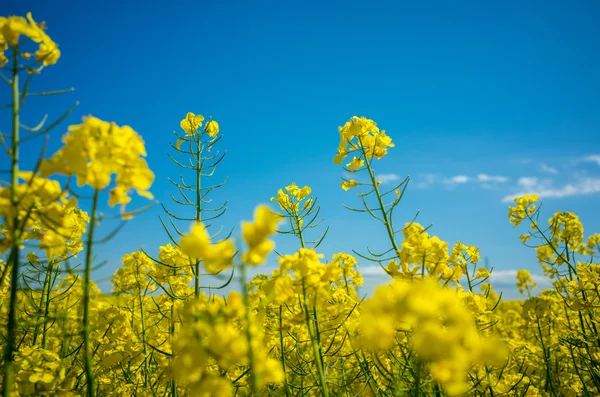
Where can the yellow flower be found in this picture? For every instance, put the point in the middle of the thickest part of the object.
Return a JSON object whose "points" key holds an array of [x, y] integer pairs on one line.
{"points": [[133, 275], [43, 212], [212, 128], [594, 242], [197, 246], [95, 150], [524, 281], [11, 29], [356, 163], [289, 200], [442, 329], [191, 123], [524, 206], [264, 225], [524, 237], [349, 184], [362, 135], [255, 234], [301, 193], [473, 253], [196, 242], [482, 273]]}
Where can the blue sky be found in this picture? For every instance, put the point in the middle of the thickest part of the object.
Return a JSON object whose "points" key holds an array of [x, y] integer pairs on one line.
{"points": [[483, 100]]}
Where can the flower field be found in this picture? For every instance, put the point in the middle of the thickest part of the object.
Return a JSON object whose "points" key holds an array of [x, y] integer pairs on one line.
{"points": [[436, 328]]}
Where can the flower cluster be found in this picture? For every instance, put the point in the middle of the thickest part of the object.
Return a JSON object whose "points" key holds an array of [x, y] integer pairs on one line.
{"points": [[290, 198], [256, 235], [95, 150], [361, 135], [192, 123], [421, 254], [11, 30], [197, 246], [41, 371], [524, 207], [44, 212], [443, 334], [211, 348]]}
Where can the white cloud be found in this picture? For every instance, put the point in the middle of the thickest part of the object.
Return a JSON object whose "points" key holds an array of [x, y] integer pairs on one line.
{"points": [[458, 179], [548, 169], [500, 278], [426, 180], [592, 158], [372, 271], [527, 182], [491, 178], [387, 178], [510, 277], [482, 178], [545, 189]]}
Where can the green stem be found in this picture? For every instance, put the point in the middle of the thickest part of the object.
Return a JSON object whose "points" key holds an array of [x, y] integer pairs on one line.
{"points": [[15, 233], [384, 214], [417, 389], [42, 305], [66, 339], [468, 277], [546, 354], [244, 282], [47, 305], [300, 237], [87, 348], [316, 346], [142, 317], [282, 348], [198, 210], [171, 338]]}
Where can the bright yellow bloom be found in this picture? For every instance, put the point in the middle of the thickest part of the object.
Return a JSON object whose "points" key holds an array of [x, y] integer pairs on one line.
{"points": [[567, 229], [45, 213], [473, 253], [524, 237], [191, 123], [39, 371], [346, 185], [289, 200], [302, 193], [524, 206], [211, 335], [356, 163], [95, 150], [11, 29], [132, 277], [212, 128], [363, 136], [593, 242], [482, 273]]}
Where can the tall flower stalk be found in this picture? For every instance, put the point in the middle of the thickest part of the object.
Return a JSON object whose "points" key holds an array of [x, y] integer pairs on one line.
{"points": [[362, 138], [109, 149], [196, 144], [15, 222]]}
